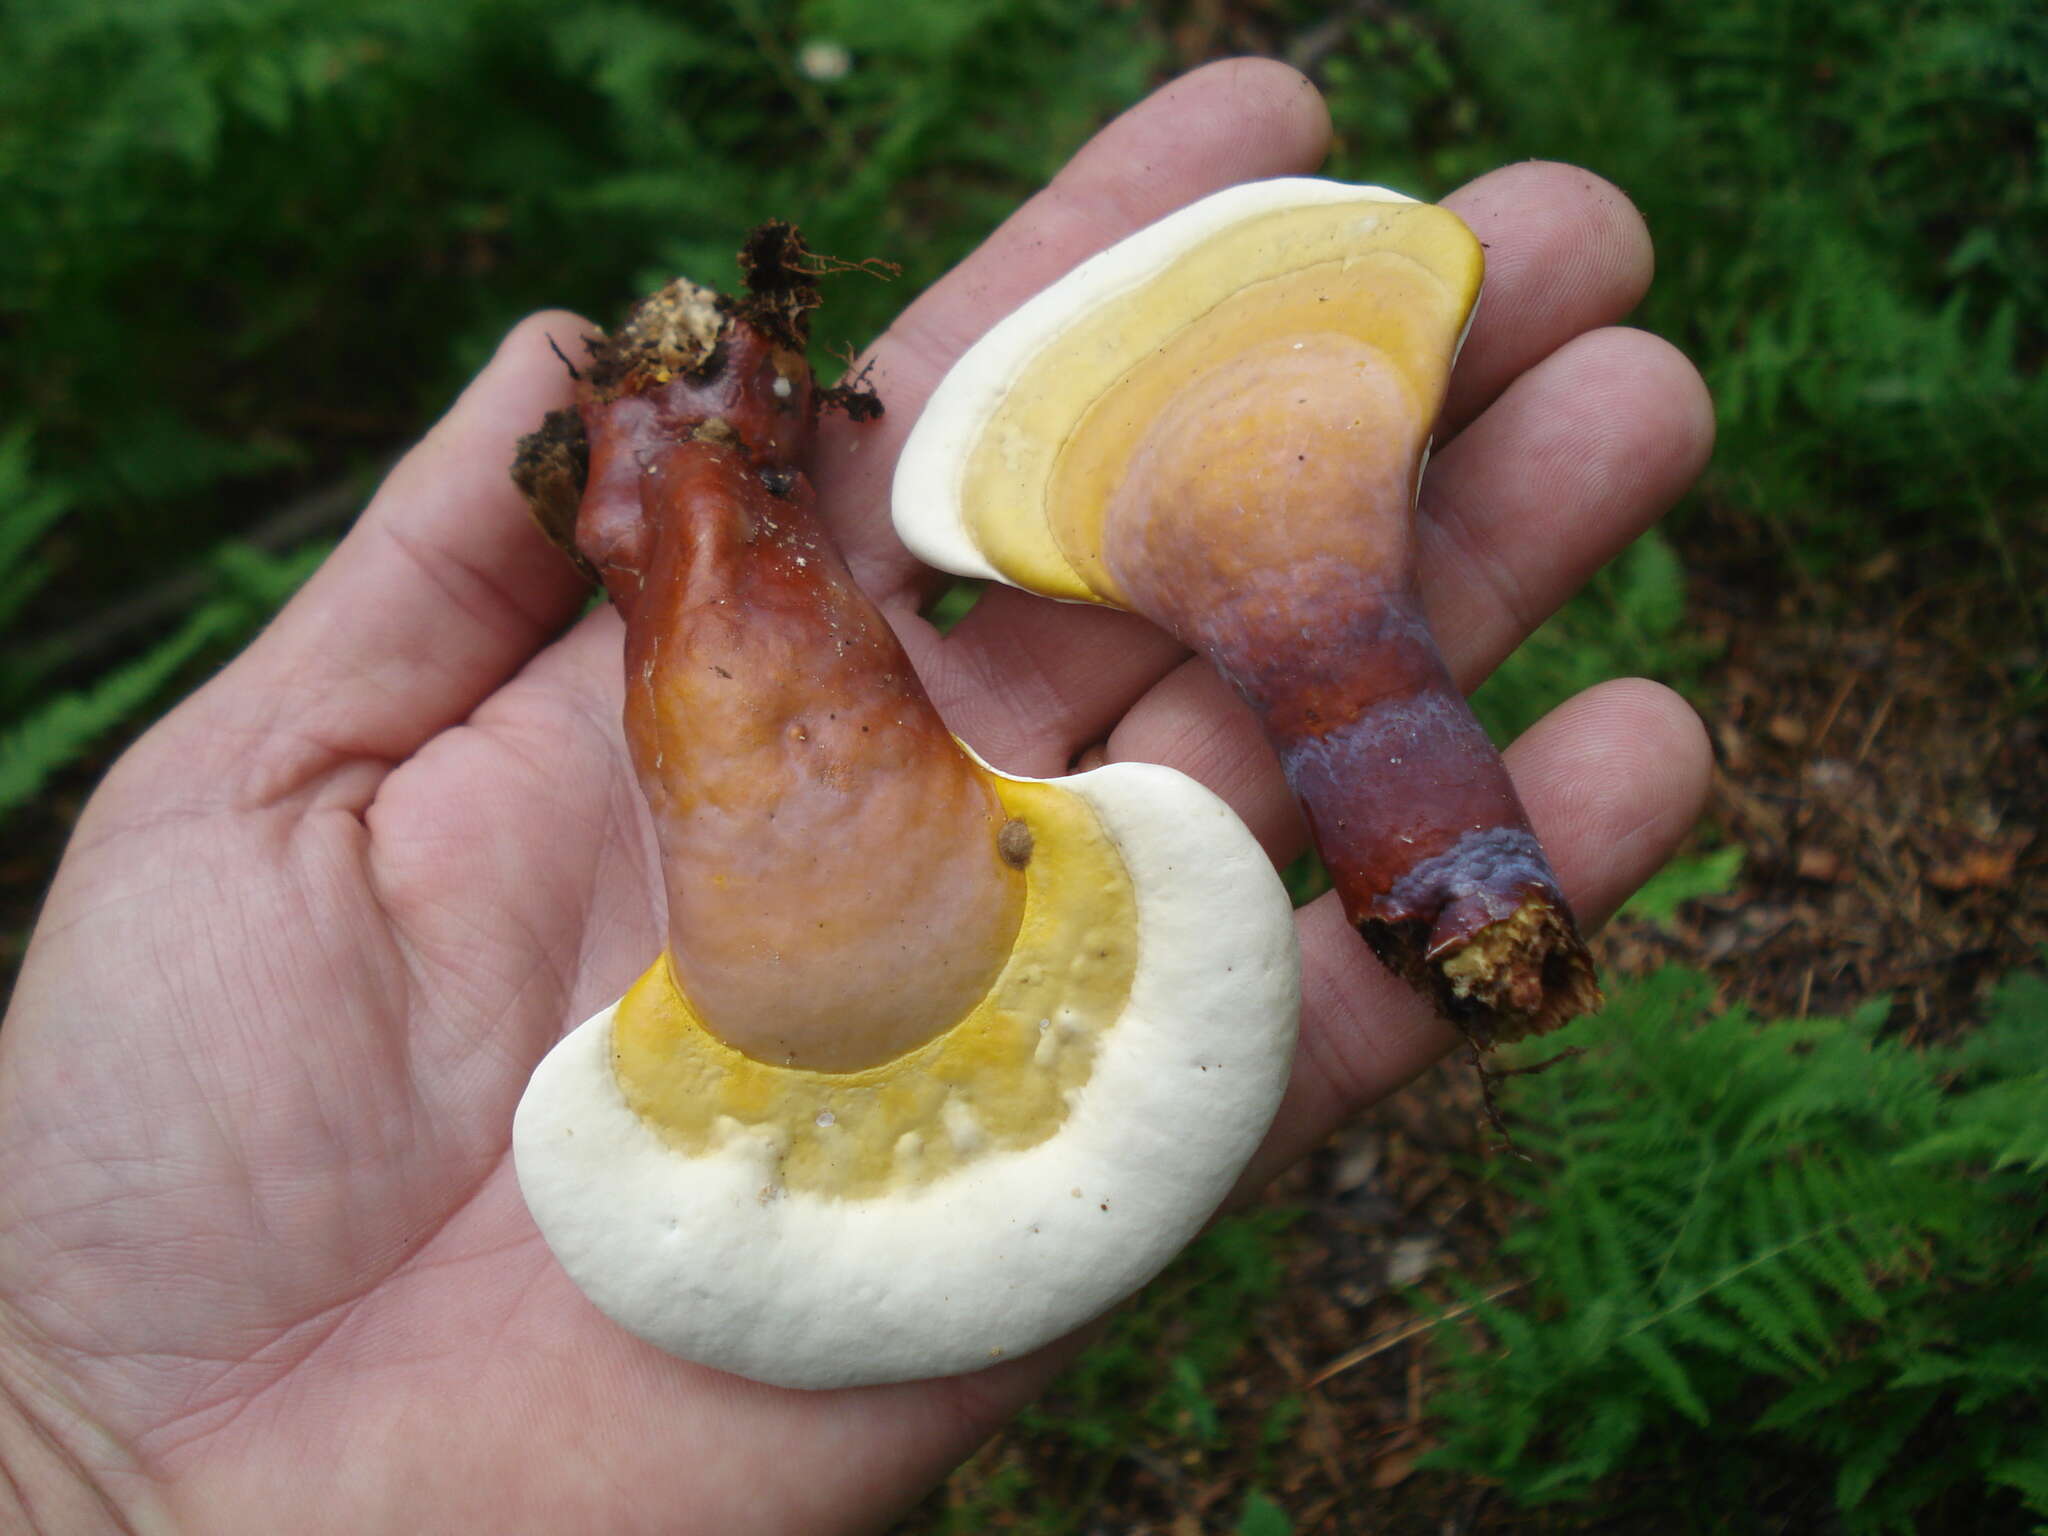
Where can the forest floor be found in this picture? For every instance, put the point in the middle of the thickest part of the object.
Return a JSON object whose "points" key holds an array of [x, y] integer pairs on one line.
{"points": [[1890, 804]]}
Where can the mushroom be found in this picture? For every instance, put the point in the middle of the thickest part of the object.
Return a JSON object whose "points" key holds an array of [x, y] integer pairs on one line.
{"points": [[936, 1063], [1221, 423]]}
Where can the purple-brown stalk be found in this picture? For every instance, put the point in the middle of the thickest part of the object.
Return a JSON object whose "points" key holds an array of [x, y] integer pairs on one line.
{"points": [[1266, 519]]}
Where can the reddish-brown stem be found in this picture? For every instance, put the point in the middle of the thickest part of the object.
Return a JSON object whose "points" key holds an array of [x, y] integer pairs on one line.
{"points": [[836, 892]]}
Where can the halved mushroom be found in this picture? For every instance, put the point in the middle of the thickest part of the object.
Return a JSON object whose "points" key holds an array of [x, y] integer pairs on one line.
{"points": [[1221, 422], [937, 1063]]}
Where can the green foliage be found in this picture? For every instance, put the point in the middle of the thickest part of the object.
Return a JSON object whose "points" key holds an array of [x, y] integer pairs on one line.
{"points": [[28, 511], [1802, 1236], [1306, 878], [1629, 620], [954, 603], [1686, 878], [213, 208], [248, 585], [1263, 1517], [2006, 1129], [246, 246], [1147, 1380], [40, 736], [1197, 1317], [1850, 203]]}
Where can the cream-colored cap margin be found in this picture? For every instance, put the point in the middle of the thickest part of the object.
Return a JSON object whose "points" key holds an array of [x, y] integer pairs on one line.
{"points": [[926, 496], [702, 1257]]}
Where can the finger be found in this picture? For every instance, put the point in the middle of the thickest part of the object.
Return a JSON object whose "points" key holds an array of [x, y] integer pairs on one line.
{"points": [[1239, 120], [1579, 456], [1612, 780], [1565, 253], [440, 592], [557, 923], [1027, 682], [1192, 720]]}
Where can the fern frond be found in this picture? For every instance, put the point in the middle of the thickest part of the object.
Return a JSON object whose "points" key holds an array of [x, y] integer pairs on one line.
{"points": [[1817, 1398], [1711, 1335], [2027, 1475], [1594, 1447], [1786, 1237], [1897, 1414], [1802, 1313], [1663, 1368], [65, 728], [249, 587], [1760, 1307], [28, 511]]}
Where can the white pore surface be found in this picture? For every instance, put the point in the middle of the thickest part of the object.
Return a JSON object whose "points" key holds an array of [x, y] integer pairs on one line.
{"points": [[926, 498], [704, 1257]]}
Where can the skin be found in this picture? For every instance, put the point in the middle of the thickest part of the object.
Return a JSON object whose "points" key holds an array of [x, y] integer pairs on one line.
{"points": [[263, 1264]]}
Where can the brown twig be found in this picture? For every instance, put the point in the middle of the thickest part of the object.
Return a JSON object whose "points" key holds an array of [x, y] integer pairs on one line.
{"points": [[1877, 719], [1386, 1341], [1323, 1434], [1827, 720]]}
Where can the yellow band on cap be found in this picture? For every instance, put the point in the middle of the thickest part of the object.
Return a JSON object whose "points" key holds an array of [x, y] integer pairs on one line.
{"points": [[999, 1080], [1400, 276]]}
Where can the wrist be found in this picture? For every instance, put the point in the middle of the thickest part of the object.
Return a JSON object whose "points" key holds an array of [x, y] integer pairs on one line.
{"points": [[61, 1474]]}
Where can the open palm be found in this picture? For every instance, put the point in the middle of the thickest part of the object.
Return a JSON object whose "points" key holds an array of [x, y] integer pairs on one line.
{"points": [[263, 1263]]}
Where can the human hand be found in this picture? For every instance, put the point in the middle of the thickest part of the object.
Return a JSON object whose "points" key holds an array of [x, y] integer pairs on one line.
{"points": [[263, 1262]]}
